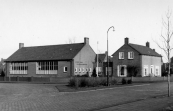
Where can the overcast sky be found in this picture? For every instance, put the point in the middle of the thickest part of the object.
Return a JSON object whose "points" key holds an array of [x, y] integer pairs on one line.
{"points": [[51, 22]]}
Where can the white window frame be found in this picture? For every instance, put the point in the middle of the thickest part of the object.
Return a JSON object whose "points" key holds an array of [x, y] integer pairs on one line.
{"points": [[65, 68], [86, 69], [19, 68], [121, 55], [79, 69], [152, 68], [47, 67], [146, 67], [90, 70], [75, 70], [119, 70], [83, 69], [131, 55], [157, 71]]}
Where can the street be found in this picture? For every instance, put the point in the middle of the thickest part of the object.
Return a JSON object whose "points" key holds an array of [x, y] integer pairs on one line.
{"points": [[45, 97]]}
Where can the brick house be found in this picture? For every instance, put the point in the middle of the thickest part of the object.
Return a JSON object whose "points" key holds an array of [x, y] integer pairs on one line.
{"points": [[136, 60], [64, 60]]}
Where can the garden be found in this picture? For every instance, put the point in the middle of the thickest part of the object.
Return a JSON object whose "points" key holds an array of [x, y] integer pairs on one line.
{"points": [[88, 82]]}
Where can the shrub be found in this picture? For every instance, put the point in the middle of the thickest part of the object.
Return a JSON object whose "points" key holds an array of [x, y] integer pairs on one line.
{"points": [[103, 82], [72, 82], [83, 82], [114, 82], [123, 81], [129, 81], [93, 82]]}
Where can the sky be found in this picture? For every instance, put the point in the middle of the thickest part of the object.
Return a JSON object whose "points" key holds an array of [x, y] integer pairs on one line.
{"points": [[53, 22]]}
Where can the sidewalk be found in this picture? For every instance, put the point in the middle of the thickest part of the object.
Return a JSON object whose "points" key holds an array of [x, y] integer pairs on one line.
{"points": [[151, 104]]}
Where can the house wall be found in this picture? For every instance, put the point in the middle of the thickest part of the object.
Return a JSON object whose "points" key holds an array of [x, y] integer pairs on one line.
{"points": [[151, 60], [61, 65], [84, 60], [134, 62], [32, 70]]}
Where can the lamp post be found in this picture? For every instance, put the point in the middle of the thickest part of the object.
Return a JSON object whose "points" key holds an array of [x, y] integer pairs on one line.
{"points": [[108, 56]]}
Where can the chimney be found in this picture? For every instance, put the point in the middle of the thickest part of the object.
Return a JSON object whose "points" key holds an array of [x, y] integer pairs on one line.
{"points": [[154, 50], [148, 44], [21, 45], [126, 40], [86, 40]]}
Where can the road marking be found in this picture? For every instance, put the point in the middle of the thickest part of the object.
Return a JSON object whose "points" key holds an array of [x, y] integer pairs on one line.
{"points": [[106, 89]]}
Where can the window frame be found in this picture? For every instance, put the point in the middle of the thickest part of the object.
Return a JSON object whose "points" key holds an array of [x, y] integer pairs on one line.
{"points": [[157, 71], [65, 69], [79, 70], [147, 73], [90, 70], [19, 68], [131, 55], [121, 55], [75, 70], [151, 69]]}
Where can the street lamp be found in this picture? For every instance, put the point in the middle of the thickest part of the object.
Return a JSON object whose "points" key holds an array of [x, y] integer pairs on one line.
{"points": [[108, 56]]}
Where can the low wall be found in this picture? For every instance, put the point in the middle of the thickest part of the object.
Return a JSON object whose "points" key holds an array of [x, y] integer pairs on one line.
{"points": [[61, 80]]}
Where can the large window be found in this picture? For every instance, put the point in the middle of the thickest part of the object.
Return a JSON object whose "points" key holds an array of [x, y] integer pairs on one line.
{"points": [[130, 55], [47, 67], [18, 68], [121, 55]]}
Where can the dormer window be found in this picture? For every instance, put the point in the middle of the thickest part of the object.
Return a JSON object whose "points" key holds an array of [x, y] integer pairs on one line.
{"points": [[121, 55], [130, 55]]}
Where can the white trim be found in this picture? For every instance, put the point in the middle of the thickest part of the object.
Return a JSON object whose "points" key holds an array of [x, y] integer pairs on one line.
{"points": [[119, 70], [157, 71], [75, 70], [46, 67], [152, 70], [65, 68], [131, 55], [121, 55], [145, 67], [18, 68], [79, 69], [90, 70], [86, 69]]}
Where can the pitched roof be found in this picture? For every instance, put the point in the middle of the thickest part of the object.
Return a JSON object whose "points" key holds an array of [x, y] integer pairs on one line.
{"points": [[51, 52], [143, 50], [101, 57]]}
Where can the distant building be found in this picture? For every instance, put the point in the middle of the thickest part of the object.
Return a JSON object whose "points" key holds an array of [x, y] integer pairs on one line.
{"points": [[64, 60], [102, 64], [137, 60]]}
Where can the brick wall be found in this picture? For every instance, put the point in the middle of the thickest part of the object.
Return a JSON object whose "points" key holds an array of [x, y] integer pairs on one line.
{"points": [[116, 61]]}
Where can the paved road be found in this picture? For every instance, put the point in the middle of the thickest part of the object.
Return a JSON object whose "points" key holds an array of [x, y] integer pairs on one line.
{"points": [[45, 97]]}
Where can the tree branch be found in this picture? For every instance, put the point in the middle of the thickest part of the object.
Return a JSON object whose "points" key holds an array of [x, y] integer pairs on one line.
{"points": [[163, 38], [170, 35]]}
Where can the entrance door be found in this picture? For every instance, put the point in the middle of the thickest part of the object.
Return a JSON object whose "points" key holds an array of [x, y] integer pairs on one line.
{"points": [[122, 71]]}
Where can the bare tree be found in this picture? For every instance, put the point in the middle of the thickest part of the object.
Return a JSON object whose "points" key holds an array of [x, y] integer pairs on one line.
{"points": [[71, 40], [166, 36]]}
